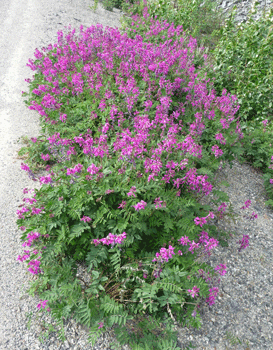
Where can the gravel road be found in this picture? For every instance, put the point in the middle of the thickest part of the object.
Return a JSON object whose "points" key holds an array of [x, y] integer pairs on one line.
{"points": [[24, 26]]}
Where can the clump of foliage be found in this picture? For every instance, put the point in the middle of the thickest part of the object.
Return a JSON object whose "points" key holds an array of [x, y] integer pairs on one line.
{"points": [[243, 64], [200, 19], [132, 136]]}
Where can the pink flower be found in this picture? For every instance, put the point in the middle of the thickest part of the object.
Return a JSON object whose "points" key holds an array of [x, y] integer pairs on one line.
{"points": [[164, 254], [271, 181], [220, 138], [92, 169], [111, 239], [25, 167], [86, 219], [265, 122], [184, 240], [101, 324], [35, 211], [247, 204], [211, 243], [35, 266], [193, 292], [221, 269], [212, 296], [244, 242], [122, 205], [193, 246], [42, 304], [45, 179], [77, 169], [158, 203], [45, 157], [132, 192], [200, 221], [63, 117], [31, 237], [217, 151], [140, 205]]}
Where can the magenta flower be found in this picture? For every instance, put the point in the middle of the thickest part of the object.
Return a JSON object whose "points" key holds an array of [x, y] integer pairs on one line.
{"points": [[271, 181], [220, 138], [122, 205], [45, 179], [184, 240], [211, 243], [253, 216], [193, 246], [212, 295], [35, 211], [25, 167], [101, 324], [86, 219], [92, 169], [158, 203], [194, 291], [132, 192], [200, 221], [35, 266], [111, 239], [247, 204], [164, 254], [24, 257], [244, 242], [42, 304], [77, 169], [221, 269], [31, 237], [140, 205], [216, 151], [45, 157], [63, 117]]}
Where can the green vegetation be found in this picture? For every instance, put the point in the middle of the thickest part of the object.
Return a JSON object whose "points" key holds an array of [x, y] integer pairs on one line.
{"points": [[135, 123]]}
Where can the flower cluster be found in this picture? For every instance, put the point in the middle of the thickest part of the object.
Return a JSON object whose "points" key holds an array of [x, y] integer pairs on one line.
{"points": [[212, 295], [244, 242], [77, 169], [222, 209], [45, 157], [43, 305], [140, 205], [86, 219], [202, 221], [164, 254], [111, 239], [194, 291], [45, 179]]}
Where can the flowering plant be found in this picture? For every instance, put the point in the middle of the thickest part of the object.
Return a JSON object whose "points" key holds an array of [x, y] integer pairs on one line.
{"points": [[133, 137]]}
